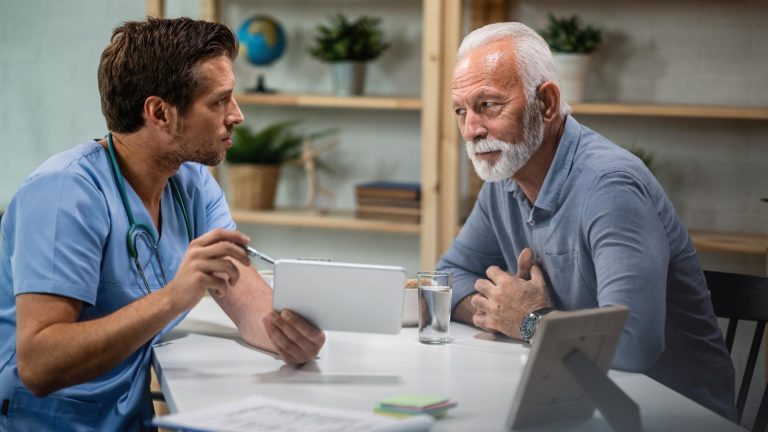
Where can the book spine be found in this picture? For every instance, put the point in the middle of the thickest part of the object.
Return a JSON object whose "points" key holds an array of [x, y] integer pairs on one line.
{"points": [[389, 217], [405, 211], [404, 194]]}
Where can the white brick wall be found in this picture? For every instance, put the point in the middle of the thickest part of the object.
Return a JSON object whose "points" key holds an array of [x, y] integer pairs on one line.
{"points": [[691, 51]]}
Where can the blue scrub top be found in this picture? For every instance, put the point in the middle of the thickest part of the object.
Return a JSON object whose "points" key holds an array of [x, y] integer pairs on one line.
{"points": [[64, 233]]}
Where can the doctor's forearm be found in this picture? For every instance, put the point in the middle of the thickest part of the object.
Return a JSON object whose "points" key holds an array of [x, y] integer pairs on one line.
{"points": [[246, 303], [62, 352]]}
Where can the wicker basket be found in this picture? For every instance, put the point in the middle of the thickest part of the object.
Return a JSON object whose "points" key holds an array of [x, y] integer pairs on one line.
{"points": [[252, 187]]}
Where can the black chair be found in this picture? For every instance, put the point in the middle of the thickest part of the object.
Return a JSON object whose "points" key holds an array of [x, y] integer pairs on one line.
{"points": [[743, 298]]}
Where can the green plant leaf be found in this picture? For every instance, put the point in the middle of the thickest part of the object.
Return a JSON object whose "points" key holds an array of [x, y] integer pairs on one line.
{"points": [[568, 35], [345, 40], [272, 145], [275, 144]]}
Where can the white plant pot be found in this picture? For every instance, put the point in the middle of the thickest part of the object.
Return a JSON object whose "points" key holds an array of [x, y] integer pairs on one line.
{"points": [[348, 78], [572, 70]]}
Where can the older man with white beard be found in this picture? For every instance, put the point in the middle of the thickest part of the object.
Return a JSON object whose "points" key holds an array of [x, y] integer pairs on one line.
{"points": [[568, 220]]}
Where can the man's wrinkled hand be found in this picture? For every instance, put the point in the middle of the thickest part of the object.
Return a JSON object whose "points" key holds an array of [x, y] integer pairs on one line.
{"points": [[504, 299]]}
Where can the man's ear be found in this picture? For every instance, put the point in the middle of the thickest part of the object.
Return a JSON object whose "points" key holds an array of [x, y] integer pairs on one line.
{"points": [[159, 113], [549, 100]]}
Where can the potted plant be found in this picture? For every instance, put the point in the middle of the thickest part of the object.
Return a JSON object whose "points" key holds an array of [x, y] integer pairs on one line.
{"points": [[348, 46], [572, 45], [254, 163]]}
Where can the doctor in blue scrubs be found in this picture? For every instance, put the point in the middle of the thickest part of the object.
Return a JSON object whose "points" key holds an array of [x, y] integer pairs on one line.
{"points": [[106, 246]]}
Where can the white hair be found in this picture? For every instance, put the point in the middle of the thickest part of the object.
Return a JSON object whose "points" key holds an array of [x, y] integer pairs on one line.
{"points": [[532, 55]]}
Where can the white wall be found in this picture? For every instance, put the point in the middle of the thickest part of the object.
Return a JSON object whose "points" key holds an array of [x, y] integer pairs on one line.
{"points": [[49, 101]]}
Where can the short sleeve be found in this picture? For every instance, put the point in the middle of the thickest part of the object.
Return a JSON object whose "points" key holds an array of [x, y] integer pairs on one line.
{"points": [[217, 214], [61, 226]]}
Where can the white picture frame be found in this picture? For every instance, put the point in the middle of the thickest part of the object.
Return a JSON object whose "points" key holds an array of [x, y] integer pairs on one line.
{"points": [[565, 376]]}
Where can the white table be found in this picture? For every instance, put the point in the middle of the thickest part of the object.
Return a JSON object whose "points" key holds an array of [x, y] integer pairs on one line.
{"points": [[203, 362]]}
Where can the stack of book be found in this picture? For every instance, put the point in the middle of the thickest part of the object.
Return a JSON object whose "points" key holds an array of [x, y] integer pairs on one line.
{"points": [[393, 201], [409, 405]]}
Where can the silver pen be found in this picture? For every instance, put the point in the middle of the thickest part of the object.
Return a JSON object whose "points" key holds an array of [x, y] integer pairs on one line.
{"points": [[254, 253]]}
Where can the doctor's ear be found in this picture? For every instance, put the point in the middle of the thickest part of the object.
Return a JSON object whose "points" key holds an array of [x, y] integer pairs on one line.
{"points": [[549, 99], [158, 112]]}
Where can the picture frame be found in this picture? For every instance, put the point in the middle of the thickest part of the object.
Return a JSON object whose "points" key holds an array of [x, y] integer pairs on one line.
{"points": [[565, 376]]}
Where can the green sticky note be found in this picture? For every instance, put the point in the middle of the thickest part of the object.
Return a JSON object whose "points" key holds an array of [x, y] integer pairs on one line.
{"points": [[413, 400]]}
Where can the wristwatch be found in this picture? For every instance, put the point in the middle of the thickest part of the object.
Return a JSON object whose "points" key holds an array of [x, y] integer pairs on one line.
{"points": [[531, 321]]}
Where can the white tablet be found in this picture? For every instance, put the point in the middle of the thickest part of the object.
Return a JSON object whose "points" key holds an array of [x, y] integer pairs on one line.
{"points": [[548, 391], [341, 296]]}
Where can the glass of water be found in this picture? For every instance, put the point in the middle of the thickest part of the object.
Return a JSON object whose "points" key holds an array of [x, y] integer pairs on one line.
{"points": [[434, 306]]}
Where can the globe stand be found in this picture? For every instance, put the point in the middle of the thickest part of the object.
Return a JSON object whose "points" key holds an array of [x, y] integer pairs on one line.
{"points": [[261, 86]]}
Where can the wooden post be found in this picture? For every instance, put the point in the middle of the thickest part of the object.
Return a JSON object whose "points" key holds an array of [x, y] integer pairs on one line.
{"points": [[156, 8], [432, 13], [449, 133], [209, 10]]}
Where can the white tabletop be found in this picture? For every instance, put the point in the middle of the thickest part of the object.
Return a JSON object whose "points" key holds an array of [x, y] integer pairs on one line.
{"points": [[203, 362]]}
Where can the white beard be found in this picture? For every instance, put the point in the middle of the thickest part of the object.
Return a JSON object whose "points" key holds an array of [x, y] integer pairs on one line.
{"points": [[513, 155]]}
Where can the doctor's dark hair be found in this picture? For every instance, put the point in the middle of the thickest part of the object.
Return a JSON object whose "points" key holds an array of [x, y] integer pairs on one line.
{"points": [[157, 57]]}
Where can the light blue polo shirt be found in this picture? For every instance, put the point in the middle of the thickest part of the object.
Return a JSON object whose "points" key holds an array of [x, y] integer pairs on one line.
{"points": [[605, 233], [64, 233]]}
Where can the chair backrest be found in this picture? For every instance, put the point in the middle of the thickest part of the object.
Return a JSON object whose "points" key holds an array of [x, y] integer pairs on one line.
{"points": [[743, 298]]}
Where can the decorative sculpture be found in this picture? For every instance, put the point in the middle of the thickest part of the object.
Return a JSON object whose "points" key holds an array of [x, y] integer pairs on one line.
{"points": [[308, 160]]}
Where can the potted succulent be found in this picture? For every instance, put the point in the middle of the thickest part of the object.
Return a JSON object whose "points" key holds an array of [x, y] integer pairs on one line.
{"points": [[348, 45], [254, 162], [572, 44]]}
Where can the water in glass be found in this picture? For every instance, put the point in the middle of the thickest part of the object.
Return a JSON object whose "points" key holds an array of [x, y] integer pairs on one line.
{"points": [[434, 314]]}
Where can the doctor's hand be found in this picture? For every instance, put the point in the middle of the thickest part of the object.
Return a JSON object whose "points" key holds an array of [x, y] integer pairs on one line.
{"points": [[296, 340], [206, 265], [504, 299]]}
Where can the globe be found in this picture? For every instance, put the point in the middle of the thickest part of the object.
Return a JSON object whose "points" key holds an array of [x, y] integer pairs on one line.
{"points": [[262, 40]]}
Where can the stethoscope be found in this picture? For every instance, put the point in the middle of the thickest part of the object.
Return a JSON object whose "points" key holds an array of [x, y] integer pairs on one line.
{"points": [[141, 231]]}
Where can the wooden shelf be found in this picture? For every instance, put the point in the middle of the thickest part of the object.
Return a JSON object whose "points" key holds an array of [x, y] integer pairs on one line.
{"points": [[752, 244], [690, 111], [334, 220], [704, 241], [712, 241], [330, 101]]}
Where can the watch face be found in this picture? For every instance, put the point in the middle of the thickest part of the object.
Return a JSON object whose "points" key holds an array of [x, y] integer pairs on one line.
{"points": [[528, 327]]}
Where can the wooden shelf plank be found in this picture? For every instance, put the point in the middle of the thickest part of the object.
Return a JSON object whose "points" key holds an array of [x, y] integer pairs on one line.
{"points": [[655, 110], [704, 241], [589, 108], [334, 220], [710, 241], [713, 241], [330, 101]]}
